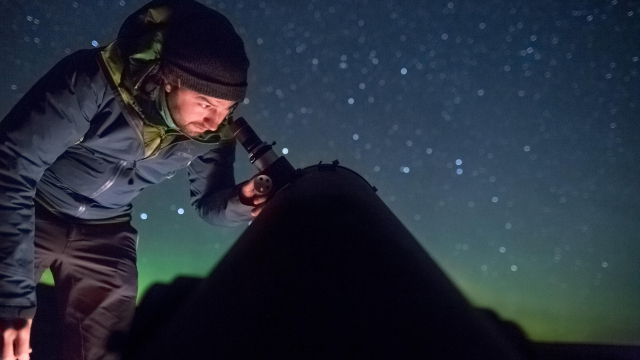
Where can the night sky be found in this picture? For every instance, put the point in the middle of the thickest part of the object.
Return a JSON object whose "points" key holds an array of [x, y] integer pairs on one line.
{"points": [[505, 136]]}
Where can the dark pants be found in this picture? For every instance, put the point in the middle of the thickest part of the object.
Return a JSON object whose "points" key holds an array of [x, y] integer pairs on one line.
{"points": [[96, 280]]}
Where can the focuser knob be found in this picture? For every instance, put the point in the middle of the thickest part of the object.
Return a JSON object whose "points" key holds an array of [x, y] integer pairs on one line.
{"points": [[263, 184]]}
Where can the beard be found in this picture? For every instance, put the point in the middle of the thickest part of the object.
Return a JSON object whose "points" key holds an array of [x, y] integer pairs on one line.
{"points": [[178, 120]]}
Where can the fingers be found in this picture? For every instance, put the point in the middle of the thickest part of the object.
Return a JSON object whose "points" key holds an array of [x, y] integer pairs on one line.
{"points": [[256, 210], [15, 339], [251, 198], [248, 192], [22, 345], [259, 200], [7, 348], [247, 189]]}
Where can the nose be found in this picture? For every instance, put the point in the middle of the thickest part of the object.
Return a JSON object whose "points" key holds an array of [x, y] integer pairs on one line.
{"points": [[213, 120]]}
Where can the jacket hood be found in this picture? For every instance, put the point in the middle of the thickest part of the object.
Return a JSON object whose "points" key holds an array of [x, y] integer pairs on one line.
{"points": [[133, 60]]}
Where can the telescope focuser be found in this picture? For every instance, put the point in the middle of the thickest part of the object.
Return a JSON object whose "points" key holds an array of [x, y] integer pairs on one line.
{"points": [[274, 172]]}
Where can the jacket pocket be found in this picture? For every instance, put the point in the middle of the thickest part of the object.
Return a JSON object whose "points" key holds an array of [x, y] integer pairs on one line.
{"points": [[86, 173]]}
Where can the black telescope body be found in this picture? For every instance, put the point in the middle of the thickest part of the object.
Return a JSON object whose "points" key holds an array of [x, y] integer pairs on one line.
{"points": [[325, 272]]}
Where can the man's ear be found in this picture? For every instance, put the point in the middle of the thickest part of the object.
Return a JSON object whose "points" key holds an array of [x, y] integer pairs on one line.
{"points": [[167, 87]]}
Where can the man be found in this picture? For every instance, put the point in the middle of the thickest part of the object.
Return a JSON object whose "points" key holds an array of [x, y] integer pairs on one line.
{"points": [[87, 138]]}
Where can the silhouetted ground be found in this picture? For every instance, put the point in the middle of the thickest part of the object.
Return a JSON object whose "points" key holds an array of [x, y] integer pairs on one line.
{"points": [[162, 298]]}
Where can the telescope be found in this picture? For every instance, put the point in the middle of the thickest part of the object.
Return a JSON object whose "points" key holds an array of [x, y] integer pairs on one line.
{"points": [[326, 271]]}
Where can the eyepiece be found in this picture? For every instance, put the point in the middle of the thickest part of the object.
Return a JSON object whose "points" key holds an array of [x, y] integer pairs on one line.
{"points": [[245, 134]]}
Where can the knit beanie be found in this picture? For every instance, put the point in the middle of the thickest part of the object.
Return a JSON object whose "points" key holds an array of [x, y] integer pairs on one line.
{"points": [[207, 56]]}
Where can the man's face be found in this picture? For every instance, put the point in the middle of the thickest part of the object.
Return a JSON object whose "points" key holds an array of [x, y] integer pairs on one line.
{"points": [[194, 113]]}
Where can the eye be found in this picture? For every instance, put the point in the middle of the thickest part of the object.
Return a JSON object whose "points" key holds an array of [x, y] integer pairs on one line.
{"points": [[204, 106]]}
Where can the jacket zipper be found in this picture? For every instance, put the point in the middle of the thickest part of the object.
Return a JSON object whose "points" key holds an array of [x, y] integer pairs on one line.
{"points": [[81, 210], [112, 179], [122, 164], [118, 170]]}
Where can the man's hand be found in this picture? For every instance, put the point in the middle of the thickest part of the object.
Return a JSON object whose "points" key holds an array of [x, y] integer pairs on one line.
{"points": [[248, 196], [15, 338]]}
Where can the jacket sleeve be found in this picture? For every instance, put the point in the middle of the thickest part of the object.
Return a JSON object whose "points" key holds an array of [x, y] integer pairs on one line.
{"points": [[214, 193], [53, 115]]}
